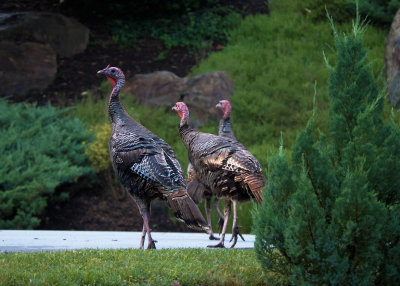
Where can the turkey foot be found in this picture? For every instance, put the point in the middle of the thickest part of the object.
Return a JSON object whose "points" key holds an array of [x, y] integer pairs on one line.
{"points": [[219, 245], [212, 237], [152, 244], [235, 234]]}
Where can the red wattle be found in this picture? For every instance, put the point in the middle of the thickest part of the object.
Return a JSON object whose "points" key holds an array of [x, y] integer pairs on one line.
{"points": [[110, 79]]}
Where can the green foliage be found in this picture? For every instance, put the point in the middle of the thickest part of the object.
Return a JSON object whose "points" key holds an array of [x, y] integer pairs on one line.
{"points": [[332, 216], [378, 12], [340, 10], [132, 267], [97, 152], [194, 30], [41, 149], [274, 62], [193, 24], [91, 110]]}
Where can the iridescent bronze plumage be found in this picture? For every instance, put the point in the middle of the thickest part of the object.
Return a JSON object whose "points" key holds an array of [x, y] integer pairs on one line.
{"points": [[224, 166]]}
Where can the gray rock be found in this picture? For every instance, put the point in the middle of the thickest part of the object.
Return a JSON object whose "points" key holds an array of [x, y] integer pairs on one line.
{"points": [[26, 66], [201, 93], [392, 61], [65, 35], [157, 88]]}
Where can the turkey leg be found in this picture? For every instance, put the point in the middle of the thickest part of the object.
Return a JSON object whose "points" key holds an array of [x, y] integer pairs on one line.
{"points": [[144, 231], [207, 206], [227, 212], [143, 237], [144, 209], [150, 242], [221, 217], [235, 227]]}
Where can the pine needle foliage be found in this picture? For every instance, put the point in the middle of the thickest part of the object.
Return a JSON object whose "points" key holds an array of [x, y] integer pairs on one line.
{"points": [[331, 216], [41, 149]]}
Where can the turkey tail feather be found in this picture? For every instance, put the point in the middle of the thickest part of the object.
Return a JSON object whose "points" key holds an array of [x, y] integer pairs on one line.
{"points": [[195, 190], [186, 210], [255, 183]]}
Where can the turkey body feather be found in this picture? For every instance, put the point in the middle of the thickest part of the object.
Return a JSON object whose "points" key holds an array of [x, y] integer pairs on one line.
{"points": [[139, 154], [215, 159]]}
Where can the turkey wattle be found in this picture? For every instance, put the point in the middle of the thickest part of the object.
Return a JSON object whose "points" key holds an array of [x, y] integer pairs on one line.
{"points": [[146, 165], [224, 166]]}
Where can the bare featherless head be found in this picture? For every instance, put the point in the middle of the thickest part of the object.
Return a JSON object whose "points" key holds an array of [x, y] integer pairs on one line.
{"points": [[113, 74], [225, 107], [182, 111]]}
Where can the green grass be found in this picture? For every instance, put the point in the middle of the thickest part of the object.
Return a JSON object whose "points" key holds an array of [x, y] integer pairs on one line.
{"points": [[274, 62], [127, 267]]}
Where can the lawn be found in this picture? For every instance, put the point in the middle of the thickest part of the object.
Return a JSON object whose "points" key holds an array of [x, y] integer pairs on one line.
{"points": [[127, 267]]}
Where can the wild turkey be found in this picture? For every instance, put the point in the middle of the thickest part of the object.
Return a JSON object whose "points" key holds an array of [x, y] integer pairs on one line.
{"points": [[197, 190], [146, 165], [224, 166]]}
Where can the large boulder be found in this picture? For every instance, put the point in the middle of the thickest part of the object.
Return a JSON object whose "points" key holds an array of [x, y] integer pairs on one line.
{"points": [[65, 35], [201, 93], [25, 66], [392, 61], [157, 88]]}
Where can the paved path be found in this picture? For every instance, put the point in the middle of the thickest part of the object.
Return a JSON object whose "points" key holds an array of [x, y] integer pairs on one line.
{"points": [[42, 240]]}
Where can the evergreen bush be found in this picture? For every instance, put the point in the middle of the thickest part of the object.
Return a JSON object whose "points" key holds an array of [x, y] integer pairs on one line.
{"points": [[378, 12], [331, 216], [41, 148]]}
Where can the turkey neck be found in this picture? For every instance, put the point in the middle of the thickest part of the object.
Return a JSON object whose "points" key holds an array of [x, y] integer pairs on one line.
{"points": [[116, 110], [225, 128], [187, 135]]}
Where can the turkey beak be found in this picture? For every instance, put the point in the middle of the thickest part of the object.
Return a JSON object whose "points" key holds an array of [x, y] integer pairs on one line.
{"points": [[100, 72]]}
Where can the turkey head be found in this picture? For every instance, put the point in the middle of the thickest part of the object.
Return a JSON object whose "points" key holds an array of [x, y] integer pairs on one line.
{"points": [[113, 74], [225, 107]]}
